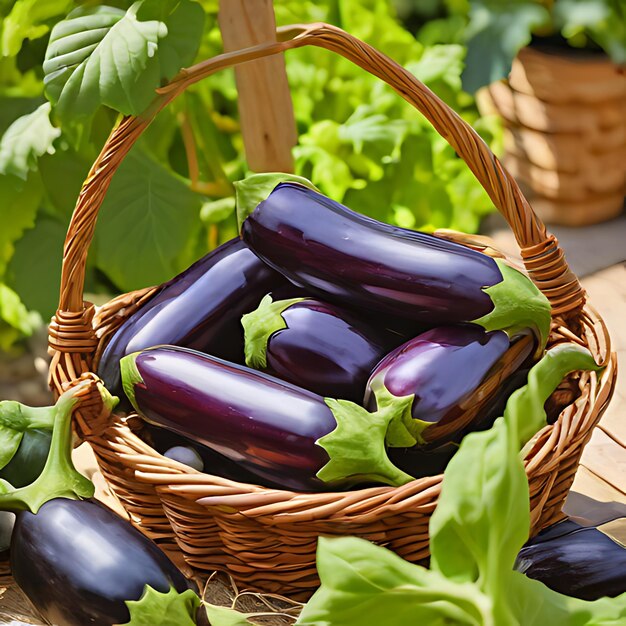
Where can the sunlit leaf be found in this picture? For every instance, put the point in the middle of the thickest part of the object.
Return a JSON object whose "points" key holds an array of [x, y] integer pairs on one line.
{"points": [[28, 138], [147, 222]]}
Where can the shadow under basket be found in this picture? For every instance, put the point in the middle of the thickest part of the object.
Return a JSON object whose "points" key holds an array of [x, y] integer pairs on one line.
{"points": [[266, 538]]}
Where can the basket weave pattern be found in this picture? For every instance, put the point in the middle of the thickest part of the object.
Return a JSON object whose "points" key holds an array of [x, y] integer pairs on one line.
{"points": [[266, 538]]}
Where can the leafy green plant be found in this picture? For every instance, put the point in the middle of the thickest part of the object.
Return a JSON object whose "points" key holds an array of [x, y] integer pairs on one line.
{"points": [[63, 88], [481, 521], [497, 29]]}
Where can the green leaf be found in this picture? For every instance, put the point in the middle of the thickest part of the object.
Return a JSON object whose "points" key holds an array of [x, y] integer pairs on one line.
{"points": [[35, 269], [19, 202], [260, 325], [103, 55], [496, 33], [518, 305], [224, 616], [63, 174], [163, 609], [356, 448], [252, 190], [367, 585], [217, 210], [440, 63], [15, 315], [569, 14], [482, 517], [29, 19], [28, 138], [147, 221], [534, 604], [366, 126]]}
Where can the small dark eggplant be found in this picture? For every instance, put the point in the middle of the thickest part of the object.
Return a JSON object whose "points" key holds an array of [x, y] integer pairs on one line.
{"points": [[580, 561], [272, 428], [200, 308], [444, 379], [78, 562], [30, 458], [341, 256], [315, 345]]}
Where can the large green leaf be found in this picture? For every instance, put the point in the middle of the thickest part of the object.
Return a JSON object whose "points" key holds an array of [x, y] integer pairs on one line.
{"points": [[496, 32], [366, 585], [28, 138], [35, 269], [103, 55], [15, 320], [69, 167], [18, 207], [147, 223], [29, 19]]}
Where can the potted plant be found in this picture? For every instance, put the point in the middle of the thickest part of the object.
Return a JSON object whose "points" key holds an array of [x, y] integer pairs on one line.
{"points": [[563, 103]]}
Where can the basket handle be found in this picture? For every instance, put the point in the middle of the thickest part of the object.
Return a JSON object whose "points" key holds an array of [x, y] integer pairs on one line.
{"points": [[71, 330]]}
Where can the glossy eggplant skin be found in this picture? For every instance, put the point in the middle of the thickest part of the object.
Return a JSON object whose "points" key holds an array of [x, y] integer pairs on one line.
{"points": [[78, 562], [200, 308], [453, 372], [431, 460], [345, 257], [326, 350], [214, 463], [266, 425], [575, 560], [29, 460]]}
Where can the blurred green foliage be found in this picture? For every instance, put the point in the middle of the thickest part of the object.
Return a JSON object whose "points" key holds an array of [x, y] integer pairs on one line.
{"points": [[62, 90], [495, 30]]}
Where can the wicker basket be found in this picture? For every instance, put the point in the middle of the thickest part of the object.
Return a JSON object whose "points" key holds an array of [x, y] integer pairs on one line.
{"points": [[266, 538]]}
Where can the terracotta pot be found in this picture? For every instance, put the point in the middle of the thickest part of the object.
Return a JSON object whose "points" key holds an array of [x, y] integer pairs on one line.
{"points": [[565, 137]]}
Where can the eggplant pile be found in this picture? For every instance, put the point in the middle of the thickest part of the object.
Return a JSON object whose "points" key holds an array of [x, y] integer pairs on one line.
{"points": [[324, 350]]}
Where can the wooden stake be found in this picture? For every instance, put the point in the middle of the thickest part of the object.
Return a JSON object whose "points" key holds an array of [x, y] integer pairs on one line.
{"points": [[265, 109]]}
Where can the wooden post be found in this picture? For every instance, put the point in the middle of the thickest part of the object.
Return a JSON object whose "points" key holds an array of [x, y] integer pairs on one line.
{"points": [[265, 108]]}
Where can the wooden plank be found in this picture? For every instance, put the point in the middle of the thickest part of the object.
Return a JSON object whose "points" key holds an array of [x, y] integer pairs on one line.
{"points": [[265, 109]]}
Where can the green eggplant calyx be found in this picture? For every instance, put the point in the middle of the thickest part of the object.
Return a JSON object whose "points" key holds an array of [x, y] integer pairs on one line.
{"points": [[163, 609], [517, 305], [252, 190], [356, 448], [403, 431], [260, 325], [130, 376], [59, 478]]}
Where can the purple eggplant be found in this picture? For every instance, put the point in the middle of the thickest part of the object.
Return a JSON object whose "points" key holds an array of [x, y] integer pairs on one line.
{"points": [[579, 561], [200, 308], [443, 379], [315, 345], [79, 563], [345, 257], [430, 460], [277, 431]]}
